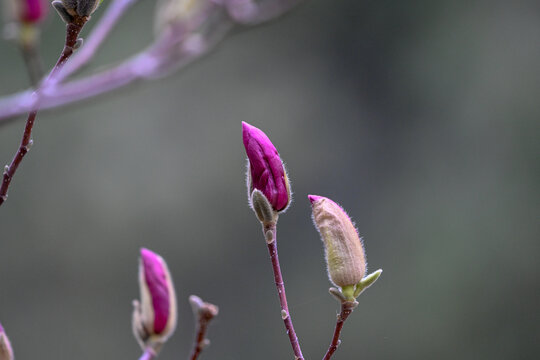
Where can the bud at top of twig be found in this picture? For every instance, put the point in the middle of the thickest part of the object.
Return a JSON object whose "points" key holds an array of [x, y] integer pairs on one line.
{"points": [[69, 10], [345, 255], [266, 172], [154, 318], [6, 352]]}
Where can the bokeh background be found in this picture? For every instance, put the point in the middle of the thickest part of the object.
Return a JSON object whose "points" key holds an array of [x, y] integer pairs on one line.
{"points": [[420, 117]]}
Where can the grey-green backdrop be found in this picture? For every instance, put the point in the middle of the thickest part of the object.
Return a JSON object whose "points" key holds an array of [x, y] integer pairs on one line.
{"points": [[420, 117]]}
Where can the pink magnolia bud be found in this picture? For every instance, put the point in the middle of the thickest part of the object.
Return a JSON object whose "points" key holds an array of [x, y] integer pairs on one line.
{"points": [[33, 11], [26, 11], [154, 318], [345, 255], [266, 171], [6, 352]]}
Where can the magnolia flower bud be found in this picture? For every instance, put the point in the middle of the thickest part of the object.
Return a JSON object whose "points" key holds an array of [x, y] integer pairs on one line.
{"points": [[345, 256], [70, 9], [6, 352], [344, 251], [26, 11], [266, 172], [154, 318]]}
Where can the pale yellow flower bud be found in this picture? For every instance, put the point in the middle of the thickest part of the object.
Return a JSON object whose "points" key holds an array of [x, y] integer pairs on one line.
{"points": [[345, 256]]}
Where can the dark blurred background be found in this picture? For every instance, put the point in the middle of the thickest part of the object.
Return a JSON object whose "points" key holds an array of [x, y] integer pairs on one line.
{"points": [[420, 117]]}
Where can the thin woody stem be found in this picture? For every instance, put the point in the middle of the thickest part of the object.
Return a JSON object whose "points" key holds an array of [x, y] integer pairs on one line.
{"points": [[347, 308], [204, 313], [148, 354], [270, 235], [72, 33]]}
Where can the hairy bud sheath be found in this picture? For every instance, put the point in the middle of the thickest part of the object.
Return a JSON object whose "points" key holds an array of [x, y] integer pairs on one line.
{"points": [[266, 172], [154, 318], [6, 352], [345, 256], [70, 9]]}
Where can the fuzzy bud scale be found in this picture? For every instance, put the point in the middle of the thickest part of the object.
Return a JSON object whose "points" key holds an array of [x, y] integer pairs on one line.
{"points": [[345, 254]]}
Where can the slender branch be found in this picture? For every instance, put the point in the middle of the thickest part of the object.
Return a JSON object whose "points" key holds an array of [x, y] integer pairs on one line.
{"points": [[347, 308], [72, 33], [148, 354], [270, 235], [204, 313]]}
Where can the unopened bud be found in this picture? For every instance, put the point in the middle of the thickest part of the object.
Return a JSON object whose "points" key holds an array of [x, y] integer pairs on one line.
{"points": [[345, 255], [154, 318], [70, 9], [266, 172], [6, 351]]}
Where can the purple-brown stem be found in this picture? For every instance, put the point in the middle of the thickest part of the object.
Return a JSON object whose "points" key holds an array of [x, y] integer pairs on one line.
{"points": [[72, 33], [148, 354], [270, 235], [347, 308], [204, 313]]}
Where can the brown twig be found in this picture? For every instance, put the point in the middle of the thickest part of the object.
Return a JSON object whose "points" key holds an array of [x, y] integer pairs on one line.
{"points": [[73, 30], [271, 241], [204, 313], [347, 308]]}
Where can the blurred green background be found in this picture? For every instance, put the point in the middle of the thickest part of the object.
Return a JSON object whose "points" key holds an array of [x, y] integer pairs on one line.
{"points": [[420, 117]]}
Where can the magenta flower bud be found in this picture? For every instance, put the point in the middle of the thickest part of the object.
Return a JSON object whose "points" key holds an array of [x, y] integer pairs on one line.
{"points": [[6, 351], [154, 318], [345, 257], [33, 11], [266, 171]]}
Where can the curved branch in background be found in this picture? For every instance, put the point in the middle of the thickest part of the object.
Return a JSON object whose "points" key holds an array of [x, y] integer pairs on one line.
{"points": [[156, 61]]}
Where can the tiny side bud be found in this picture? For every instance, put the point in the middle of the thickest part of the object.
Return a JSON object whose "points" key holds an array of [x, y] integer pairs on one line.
{"points": [[262, 208]]}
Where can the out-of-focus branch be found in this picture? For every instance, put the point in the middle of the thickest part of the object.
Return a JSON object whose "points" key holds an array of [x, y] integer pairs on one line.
{"points": [[204, 313], [171, 51]]}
